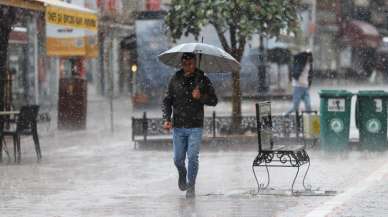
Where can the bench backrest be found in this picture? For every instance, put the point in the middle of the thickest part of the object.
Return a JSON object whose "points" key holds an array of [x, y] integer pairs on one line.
{"points": [[264, 125]]}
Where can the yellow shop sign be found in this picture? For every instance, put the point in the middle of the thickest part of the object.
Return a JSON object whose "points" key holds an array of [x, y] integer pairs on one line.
{"points": [[71, 18], [71, 32]]}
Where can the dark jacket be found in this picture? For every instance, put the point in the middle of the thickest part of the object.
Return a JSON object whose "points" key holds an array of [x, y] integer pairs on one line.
{"points": [[187, 112], [300, 61]]}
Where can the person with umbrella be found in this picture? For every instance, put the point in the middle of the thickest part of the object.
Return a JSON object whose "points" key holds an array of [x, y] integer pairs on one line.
{"points": [[302, 74], [188, 91]]}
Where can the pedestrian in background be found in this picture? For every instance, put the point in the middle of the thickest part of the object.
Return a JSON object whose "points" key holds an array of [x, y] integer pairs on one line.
{"points": [[302, 75], [188, 91]]}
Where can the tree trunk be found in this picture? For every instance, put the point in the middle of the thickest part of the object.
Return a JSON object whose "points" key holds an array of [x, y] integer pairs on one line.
{"points": [[236, 102], [262, 71], [236, 49], [236, 95]]}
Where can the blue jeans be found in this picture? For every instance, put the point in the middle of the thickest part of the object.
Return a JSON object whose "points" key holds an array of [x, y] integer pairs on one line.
{"points": [[300, 93], [187, 140]]}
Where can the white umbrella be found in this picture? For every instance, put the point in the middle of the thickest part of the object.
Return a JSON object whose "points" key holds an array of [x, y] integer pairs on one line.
{"points": [[210, 58]]}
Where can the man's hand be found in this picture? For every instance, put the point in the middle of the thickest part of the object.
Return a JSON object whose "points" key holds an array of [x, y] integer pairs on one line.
{"points": [[196, 94], [167, 125]]}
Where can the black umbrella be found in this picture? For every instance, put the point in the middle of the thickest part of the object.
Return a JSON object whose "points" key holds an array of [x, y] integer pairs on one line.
{"points": [[279, 55]]}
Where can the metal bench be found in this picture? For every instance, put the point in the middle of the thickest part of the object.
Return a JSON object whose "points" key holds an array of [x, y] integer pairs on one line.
{"points": [[271, 155]]}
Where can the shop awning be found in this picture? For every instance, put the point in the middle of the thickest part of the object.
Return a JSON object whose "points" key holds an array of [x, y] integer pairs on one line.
{"points": [[71, 30], [361, 34], [26, 4], [39, 5]]}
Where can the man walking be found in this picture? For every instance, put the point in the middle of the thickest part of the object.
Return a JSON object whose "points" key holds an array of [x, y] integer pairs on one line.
{"points": [[188, 91]]}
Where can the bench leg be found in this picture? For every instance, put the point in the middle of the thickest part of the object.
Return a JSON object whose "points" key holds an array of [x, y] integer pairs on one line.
{"points": [[304, 177], [260, 186], [38, 151], [293, 182]]}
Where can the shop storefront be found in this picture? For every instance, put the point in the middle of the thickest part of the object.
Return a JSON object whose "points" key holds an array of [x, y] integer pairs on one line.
{"points": [[362, 39], [72, 37], [67, 36]]}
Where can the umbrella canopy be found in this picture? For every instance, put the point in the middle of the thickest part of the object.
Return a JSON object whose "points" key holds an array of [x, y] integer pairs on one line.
{"points": [[209, 58], [279, 55]]}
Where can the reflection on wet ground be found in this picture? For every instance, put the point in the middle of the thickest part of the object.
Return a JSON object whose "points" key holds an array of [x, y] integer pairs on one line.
{"points": [[88, 174]]}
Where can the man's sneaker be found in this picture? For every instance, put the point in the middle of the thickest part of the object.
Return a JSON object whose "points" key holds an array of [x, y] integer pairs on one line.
{"points": [[190, 193], [182, 180]]}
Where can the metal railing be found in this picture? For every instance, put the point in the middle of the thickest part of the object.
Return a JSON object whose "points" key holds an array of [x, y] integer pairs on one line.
{"points": [[218, 126]]}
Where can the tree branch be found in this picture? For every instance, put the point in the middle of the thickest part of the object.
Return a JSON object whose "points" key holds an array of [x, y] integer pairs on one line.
{"points": [[221, 36]]}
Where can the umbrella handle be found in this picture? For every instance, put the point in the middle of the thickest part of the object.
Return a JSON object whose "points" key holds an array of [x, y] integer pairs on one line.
{"points": [[200, 56], [199, 60]]}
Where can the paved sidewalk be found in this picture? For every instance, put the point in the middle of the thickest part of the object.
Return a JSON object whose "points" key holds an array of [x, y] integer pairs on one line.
{"points": [[100, 174]]}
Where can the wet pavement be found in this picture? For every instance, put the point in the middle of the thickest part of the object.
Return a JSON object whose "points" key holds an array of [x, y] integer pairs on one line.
{"points": [[96, 173], [101, 174]]}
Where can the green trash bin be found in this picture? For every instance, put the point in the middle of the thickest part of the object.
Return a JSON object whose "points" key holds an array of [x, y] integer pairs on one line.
{"points": [[371, 119], [335, 119]]}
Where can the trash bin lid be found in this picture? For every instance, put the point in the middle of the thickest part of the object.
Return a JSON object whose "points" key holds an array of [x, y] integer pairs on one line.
{"points": [[335, 93], [372, 93]]}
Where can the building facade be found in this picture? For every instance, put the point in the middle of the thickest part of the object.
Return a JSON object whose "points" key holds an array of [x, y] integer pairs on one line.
{"points": [[349, 34]]}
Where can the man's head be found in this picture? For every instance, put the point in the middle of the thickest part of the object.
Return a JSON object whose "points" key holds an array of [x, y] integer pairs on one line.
{"points": [[188, 61]]}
